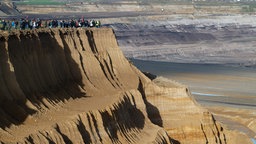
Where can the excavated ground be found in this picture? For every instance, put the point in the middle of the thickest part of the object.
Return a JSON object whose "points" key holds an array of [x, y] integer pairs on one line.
{"points": [[76, 86], [199, 39], [213, 54], [70, 86]]}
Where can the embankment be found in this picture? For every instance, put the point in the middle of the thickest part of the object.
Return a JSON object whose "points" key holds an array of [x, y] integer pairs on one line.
{"points": [[157, 7], [76, 86]]}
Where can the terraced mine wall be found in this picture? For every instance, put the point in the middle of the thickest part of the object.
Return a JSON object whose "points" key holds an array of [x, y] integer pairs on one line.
{"points": [[160, 8], [76, 86]]}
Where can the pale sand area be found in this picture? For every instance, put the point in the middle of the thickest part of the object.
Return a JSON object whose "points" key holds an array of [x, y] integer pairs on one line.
{"points": [[228, 92]]}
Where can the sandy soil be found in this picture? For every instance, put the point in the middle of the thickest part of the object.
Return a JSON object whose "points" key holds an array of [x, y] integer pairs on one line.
{"points": [[76, 86], [228, 92], [184, 41]]}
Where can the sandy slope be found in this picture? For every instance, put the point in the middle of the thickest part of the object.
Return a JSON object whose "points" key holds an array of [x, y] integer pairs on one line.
{"points": [[76, 86], [228, 92]]}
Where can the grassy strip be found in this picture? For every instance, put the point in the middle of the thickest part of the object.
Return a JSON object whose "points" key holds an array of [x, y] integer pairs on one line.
{"points": [[249, 8], [39, 2]]}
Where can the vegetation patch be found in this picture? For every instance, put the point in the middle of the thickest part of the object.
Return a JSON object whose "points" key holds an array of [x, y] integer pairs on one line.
{"points": [[249, 8], [40, 2]]}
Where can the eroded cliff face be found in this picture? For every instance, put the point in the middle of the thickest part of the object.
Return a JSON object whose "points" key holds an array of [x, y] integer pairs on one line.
{"points": [[76, 86]]}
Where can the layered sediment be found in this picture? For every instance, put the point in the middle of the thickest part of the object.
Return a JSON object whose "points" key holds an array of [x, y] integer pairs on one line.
{"points": [[76, 86], [158, 7]]}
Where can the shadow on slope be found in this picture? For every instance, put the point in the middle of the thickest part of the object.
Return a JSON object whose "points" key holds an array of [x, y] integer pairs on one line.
{"points": [[12, 99], [153, 112], [36, 73], [124, 117]]}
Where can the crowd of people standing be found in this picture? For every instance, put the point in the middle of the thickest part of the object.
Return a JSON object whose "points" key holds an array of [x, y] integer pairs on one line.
{"points": [[26, 23]]}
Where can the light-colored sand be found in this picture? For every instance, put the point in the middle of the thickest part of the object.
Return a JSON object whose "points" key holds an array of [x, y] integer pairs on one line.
{"points": [[228, 92]]}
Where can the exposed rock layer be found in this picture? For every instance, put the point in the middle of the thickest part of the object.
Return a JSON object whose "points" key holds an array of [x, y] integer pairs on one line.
{"points": [[210, 40], [75, 86], [182, 8]]}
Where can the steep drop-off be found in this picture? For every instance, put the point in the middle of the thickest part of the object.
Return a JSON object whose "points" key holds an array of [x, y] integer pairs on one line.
{"points": [[76, 86]]}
